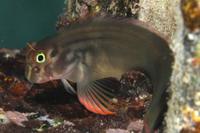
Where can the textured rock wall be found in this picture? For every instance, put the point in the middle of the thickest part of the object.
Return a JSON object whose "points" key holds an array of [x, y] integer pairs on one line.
{"points": [[184, 105], [180, 21], [159, 14]]}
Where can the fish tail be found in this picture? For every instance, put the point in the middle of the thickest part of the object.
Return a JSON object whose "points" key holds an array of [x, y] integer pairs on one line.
{"points": [[154, 117], [147, 128]]}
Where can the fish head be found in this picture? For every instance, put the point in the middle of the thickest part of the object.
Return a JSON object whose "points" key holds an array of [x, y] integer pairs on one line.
{"points": [[45, 63], [36, 61]]}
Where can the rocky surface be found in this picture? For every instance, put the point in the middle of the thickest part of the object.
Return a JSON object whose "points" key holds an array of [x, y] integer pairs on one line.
{"points": [[77, 9]]}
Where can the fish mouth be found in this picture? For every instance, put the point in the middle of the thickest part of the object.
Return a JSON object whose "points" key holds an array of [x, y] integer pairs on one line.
{"points": [[35, 77], [41, 78]]}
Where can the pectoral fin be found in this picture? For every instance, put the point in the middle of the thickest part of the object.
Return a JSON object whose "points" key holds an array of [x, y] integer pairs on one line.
{"points": [[67, 86], [97, 95]]}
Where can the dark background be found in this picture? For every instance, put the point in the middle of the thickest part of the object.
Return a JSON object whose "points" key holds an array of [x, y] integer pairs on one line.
{"points": [[23, 21]]}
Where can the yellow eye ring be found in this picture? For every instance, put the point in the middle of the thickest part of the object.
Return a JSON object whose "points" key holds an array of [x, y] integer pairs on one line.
{"points": [[40, 57]]}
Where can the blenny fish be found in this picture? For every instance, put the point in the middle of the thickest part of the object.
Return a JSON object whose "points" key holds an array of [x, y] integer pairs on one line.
{"points": [[96, 48]]}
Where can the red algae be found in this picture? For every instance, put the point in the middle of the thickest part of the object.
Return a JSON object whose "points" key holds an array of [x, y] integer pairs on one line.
{"points": [[18, 89], [12, 78]]}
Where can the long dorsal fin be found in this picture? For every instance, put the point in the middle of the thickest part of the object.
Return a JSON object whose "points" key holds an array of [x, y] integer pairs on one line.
{"points": [[101, 16], [97, 95]]}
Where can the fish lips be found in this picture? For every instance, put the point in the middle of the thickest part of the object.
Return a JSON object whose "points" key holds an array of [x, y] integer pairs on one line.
{"points": [[35, 77]]}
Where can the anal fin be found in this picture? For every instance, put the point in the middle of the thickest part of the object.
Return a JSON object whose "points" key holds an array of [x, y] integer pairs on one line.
{"points": [[97, 95]]}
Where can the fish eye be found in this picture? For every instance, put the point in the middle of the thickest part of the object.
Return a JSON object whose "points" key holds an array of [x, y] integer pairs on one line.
{"points": [[40, 57]]}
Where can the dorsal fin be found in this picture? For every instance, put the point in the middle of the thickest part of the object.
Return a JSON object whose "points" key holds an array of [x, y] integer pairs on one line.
{"points": [[105, 17]]}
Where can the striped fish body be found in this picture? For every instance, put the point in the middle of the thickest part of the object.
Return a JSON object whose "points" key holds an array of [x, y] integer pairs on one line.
{"points": [[94, 50]]}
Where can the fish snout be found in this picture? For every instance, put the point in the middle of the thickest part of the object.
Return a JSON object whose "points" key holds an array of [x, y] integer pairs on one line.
{"points": [[34, 75]]}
